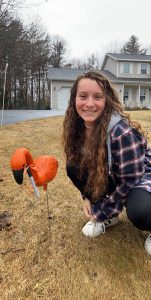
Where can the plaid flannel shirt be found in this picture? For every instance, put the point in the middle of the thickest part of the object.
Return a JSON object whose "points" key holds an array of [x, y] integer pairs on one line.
{"points": [[131, 168]]}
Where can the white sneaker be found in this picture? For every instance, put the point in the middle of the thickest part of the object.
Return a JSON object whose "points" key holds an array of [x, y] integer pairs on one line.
{"points": [[147, 244], [95, 228], [112, 222]]}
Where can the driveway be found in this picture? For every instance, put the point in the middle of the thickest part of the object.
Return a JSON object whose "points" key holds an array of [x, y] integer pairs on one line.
{"points": [[15, 116]]}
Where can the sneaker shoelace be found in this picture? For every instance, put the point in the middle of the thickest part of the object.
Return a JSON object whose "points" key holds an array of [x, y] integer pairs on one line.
{"points": [[101, 225]]}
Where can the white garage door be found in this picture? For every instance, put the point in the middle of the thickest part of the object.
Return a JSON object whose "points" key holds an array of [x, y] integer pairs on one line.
{"points": [[63, 97]]}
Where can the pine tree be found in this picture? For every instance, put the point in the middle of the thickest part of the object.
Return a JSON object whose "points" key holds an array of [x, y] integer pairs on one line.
{"points": [[132, 46]]}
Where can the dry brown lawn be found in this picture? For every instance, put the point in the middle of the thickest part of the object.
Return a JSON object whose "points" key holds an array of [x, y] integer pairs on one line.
{"points": [[61, 263]]}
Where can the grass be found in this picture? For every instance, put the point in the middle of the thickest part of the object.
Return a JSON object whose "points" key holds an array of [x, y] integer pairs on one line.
{"points": [[60, 263]]}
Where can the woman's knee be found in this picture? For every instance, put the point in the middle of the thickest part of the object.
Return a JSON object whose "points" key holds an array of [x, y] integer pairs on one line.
{"points": [[139, 209], [136, 216]]}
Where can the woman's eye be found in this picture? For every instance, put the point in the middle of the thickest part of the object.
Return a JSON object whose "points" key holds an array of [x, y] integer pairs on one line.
{"points": [[98, 97], [82, 96]]}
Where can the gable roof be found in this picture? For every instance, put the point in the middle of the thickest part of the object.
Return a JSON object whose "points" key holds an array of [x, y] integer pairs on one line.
{"points": [[64, 74], [127, 57], [130, 56]]}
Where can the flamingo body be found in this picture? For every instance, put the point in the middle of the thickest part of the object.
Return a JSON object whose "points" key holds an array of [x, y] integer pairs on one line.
{"points": [[43, 168]]}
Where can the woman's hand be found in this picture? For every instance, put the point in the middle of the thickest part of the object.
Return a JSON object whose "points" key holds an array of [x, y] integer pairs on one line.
{"points": [[87, 208]]}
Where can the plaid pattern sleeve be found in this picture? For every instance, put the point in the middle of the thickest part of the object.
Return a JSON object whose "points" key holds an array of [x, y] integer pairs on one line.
{"points": [[128, 155]]}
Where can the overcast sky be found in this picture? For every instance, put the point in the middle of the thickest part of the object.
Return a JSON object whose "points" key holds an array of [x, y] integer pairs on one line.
{"points": [[92, 26]]}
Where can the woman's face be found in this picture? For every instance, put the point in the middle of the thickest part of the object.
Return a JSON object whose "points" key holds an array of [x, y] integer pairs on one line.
{"points": [[90, 100]]}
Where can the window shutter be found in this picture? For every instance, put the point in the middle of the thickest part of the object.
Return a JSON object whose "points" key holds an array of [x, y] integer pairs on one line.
{"points": [[121, 67], [139, 69], [131, 68], [148, 69]]}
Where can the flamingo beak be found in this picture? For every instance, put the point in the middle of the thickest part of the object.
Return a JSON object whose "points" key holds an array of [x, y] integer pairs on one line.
{"points": [[18, 175]]}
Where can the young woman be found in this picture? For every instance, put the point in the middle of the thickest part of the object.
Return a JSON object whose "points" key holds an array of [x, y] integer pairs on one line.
{"points": [[107, 155]]}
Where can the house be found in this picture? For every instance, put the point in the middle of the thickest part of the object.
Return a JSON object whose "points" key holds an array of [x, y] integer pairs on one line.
{"points": [[129, 74]]}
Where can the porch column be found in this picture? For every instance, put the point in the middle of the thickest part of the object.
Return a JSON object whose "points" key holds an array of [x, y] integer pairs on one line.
{"points": [[139, 103]]}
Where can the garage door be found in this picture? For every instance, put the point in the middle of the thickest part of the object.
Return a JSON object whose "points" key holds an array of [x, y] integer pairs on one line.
{"points": [[63, 97]]}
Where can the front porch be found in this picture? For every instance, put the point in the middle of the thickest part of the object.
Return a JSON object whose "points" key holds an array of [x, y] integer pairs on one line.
{"points": [[136, 96]]}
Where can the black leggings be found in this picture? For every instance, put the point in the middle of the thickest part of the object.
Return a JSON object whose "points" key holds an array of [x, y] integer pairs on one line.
{"points": [[138, 204], [138, 208]]}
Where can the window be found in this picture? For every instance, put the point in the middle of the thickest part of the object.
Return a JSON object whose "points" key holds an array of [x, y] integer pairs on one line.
{"points": [[126, 68], [142, 94], [143, 68], [125, 98]]}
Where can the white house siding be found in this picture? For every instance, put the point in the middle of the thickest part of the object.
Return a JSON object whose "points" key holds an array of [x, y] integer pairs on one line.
{"points": [[111, 65], [119, 89]]}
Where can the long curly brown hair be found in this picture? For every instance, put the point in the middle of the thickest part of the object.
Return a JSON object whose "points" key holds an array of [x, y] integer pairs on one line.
{"points": [[94, 158]]}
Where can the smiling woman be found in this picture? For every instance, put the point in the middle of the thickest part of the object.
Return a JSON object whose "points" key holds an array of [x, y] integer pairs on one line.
{"points": [[107, 156], [90, 101]]}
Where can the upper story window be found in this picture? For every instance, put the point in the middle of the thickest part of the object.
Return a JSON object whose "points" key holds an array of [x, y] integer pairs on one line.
{"points": [[143, 68], [126, 68]]}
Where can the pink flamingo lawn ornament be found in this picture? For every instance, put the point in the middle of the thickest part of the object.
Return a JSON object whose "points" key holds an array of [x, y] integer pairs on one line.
{"points": [[41, 170]]}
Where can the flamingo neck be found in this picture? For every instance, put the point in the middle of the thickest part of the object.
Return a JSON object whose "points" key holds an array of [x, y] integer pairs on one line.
{"points": [[28, 158]]}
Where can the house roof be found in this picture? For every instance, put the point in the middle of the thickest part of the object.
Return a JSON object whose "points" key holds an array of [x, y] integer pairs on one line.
{"points": [[127, 57], [65, 74], [115, 79]]}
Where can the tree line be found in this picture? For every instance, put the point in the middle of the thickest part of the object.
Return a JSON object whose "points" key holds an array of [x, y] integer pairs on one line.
{"points": [[29, 51]]}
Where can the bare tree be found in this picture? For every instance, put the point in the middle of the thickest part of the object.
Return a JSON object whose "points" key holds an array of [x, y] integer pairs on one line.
{"points": [[78, 63], [6, 6], [58, 51], [90, 62]]}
